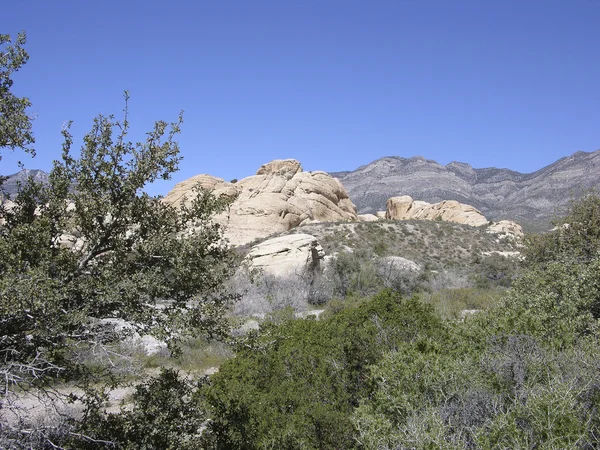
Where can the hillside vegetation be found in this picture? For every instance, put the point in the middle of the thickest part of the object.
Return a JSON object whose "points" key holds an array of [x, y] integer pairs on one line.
{"points": [[436, 245]]}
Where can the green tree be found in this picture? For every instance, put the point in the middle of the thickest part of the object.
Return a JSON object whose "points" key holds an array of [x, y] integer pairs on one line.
{"points": [[91, 247], [15, 122], [575, 237]]}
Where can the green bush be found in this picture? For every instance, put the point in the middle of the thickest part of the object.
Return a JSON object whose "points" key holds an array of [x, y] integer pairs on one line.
{"points": [[164, 414], [295, 385]]}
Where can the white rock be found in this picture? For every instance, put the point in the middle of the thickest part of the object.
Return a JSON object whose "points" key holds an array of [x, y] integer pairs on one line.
{"points": [[368, 218], [399, 263], [506, 229], [286, 255], [404, 207]]}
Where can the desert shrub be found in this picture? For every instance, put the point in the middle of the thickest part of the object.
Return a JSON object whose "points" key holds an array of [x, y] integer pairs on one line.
{"points": [[558, 303], [260, 294], [353, 273], [295, 385], [515, 393], [451, 303], [496, 270], [321, 289], [398, 276]]}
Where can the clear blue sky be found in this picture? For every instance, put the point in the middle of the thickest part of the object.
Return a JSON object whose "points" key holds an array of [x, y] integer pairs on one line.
{"points": [[332, 83]]}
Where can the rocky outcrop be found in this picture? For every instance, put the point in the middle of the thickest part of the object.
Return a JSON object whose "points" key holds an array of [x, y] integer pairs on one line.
{"points": [[279, 197], [184, 191], [294, 254], [286, 168], [404, 207], [506, 229], [367, 218], [399, 263]]}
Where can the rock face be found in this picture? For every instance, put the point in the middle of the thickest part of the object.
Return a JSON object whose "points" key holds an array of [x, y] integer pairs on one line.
{"points": [[184, 191], [294, 254], [530, 199], [279, 197], [506, 229], [402, 208]]}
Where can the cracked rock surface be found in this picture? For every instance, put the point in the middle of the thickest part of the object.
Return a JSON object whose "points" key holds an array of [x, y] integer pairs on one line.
{"points": [[279, 197]]}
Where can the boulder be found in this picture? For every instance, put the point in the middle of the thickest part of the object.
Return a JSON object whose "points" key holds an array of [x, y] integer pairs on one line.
{"points": [[399, 263], [404, 207], [505, 254], [398, 207], [278, 198], [368, 218], [506, 229], [286, 168], [8, 205], [70, 242], [294, 254], [184, 191]]}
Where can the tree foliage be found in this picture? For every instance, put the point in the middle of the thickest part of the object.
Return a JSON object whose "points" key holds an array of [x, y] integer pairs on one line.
{"points": [[90, 248], [575, 237], [165, 415], [15, 122]]}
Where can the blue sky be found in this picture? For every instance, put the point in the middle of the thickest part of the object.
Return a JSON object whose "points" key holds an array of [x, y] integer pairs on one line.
{"points": [[332, 83]]}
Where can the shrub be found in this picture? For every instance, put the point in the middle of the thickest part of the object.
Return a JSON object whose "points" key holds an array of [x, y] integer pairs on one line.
{"points": [[295, 384]]}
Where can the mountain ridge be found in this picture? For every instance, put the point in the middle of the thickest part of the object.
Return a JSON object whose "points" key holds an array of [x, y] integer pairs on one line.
{"points": [[11, 182], [528, 198]]}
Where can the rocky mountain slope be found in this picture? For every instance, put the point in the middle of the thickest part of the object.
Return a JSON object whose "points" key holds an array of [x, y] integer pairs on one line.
{"points": [[11, 183], [530, 199]]}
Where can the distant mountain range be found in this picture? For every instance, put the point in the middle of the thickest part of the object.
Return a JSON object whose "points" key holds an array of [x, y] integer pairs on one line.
{"points": [[11, 182], [531, 199]]}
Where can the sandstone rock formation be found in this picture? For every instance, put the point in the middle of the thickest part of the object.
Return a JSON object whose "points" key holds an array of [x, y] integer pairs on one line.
{"points": [[506, 229], [399, 263], [404, 207], [368, 218], [279, 197], [294, 254], [184, 191]]}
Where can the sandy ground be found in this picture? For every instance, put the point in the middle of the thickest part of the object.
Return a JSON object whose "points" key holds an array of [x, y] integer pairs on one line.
{"points": [[47, 408]]}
